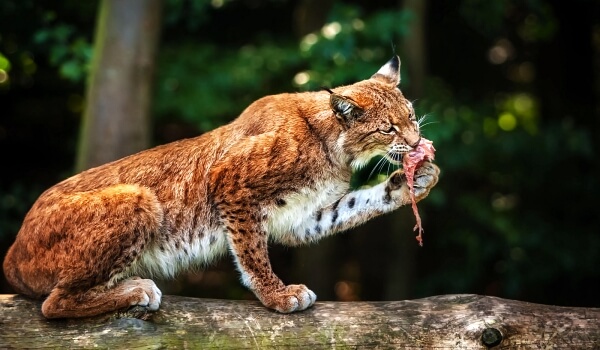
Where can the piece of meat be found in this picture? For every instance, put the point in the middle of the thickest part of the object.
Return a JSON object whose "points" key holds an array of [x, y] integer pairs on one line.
{"points": [[411, 162]]}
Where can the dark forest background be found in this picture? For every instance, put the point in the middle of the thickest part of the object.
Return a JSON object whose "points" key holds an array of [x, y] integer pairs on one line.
{"points": [[511, 90]]}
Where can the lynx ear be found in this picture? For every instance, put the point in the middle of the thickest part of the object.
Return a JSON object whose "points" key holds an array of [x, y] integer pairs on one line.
{"points": [[389, 72], [344, 107]]}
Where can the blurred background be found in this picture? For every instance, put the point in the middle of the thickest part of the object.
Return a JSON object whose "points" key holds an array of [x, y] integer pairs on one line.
{"points": [[511, 91]]}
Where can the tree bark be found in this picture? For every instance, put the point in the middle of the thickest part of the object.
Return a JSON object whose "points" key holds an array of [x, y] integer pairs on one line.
{"points": [[440, 322], [116, 120]]}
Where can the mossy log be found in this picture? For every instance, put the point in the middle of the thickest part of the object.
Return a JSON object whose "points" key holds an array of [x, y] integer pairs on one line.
{"points": [[439, 322]]}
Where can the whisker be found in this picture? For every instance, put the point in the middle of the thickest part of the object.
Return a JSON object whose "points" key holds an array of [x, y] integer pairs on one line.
{"points": [[429, 123], [387, 173], [379, 164], [421, 121]]}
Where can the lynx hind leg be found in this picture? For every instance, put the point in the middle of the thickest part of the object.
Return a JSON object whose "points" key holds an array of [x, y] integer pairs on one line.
{"points": [[109, 229], [65, 303]]}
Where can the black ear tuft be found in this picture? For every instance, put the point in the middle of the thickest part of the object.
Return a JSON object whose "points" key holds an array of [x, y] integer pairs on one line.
{"points": [[327, 89], [344, 107], [389, 72]]}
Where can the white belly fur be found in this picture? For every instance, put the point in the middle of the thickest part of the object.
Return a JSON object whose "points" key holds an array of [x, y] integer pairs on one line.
{"points": [[292, 218], [166, 263]]}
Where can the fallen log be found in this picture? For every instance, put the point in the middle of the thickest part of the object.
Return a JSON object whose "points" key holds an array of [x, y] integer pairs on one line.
{"points": [[439, 322]]}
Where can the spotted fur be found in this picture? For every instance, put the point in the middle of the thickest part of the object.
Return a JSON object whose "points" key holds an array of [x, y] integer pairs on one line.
{"points": [[279, 172]]}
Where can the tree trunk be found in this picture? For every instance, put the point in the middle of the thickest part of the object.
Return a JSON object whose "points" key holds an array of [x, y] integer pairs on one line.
{"points": [[116, 120], [441, 322]]}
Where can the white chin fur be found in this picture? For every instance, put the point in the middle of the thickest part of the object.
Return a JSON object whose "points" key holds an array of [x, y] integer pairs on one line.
{"points": [[360, 163]]}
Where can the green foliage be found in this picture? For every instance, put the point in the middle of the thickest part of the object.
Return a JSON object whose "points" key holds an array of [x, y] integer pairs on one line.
{"points": [[350, 45], [533, 20], [69, 51], [198, 83], [190, 13], [5, 67], [4, 63]]}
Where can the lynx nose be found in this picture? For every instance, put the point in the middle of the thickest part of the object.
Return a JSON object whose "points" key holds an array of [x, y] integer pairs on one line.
{"points": [[414, 145]]}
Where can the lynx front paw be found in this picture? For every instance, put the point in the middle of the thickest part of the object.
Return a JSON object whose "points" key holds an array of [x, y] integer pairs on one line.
{"points": [[426, 177], [295, 297], [142, 292]]}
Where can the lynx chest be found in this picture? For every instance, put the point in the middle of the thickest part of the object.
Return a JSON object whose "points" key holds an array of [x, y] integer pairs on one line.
{"points": [[294, 220]]}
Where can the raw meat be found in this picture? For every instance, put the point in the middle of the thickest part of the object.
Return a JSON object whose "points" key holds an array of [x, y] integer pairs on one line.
{"points": [[411, 162]]}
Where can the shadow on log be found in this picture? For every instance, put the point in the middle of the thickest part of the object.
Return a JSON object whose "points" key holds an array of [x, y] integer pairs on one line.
{"points": [[440, 322]]}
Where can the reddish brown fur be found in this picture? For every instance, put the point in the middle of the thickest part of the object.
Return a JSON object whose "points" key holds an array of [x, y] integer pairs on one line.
{"points": [[84, 238]]}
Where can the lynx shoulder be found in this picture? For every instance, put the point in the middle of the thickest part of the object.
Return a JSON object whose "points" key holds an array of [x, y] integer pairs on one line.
{"points": [[280, 171]]}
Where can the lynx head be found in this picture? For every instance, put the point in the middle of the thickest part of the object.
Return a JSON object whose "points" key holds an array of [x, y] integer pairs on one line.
{"points": [[377, 119]]}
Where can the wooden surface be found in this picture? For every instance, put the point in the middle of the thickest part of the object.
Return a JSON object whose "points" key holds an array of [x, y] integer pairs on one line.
{"points": [[440, 322]]}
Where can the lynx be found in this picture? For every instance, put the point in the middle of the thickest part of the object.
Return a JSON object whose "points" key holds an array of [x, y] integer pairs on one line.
{"points": [[280, 172]]}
